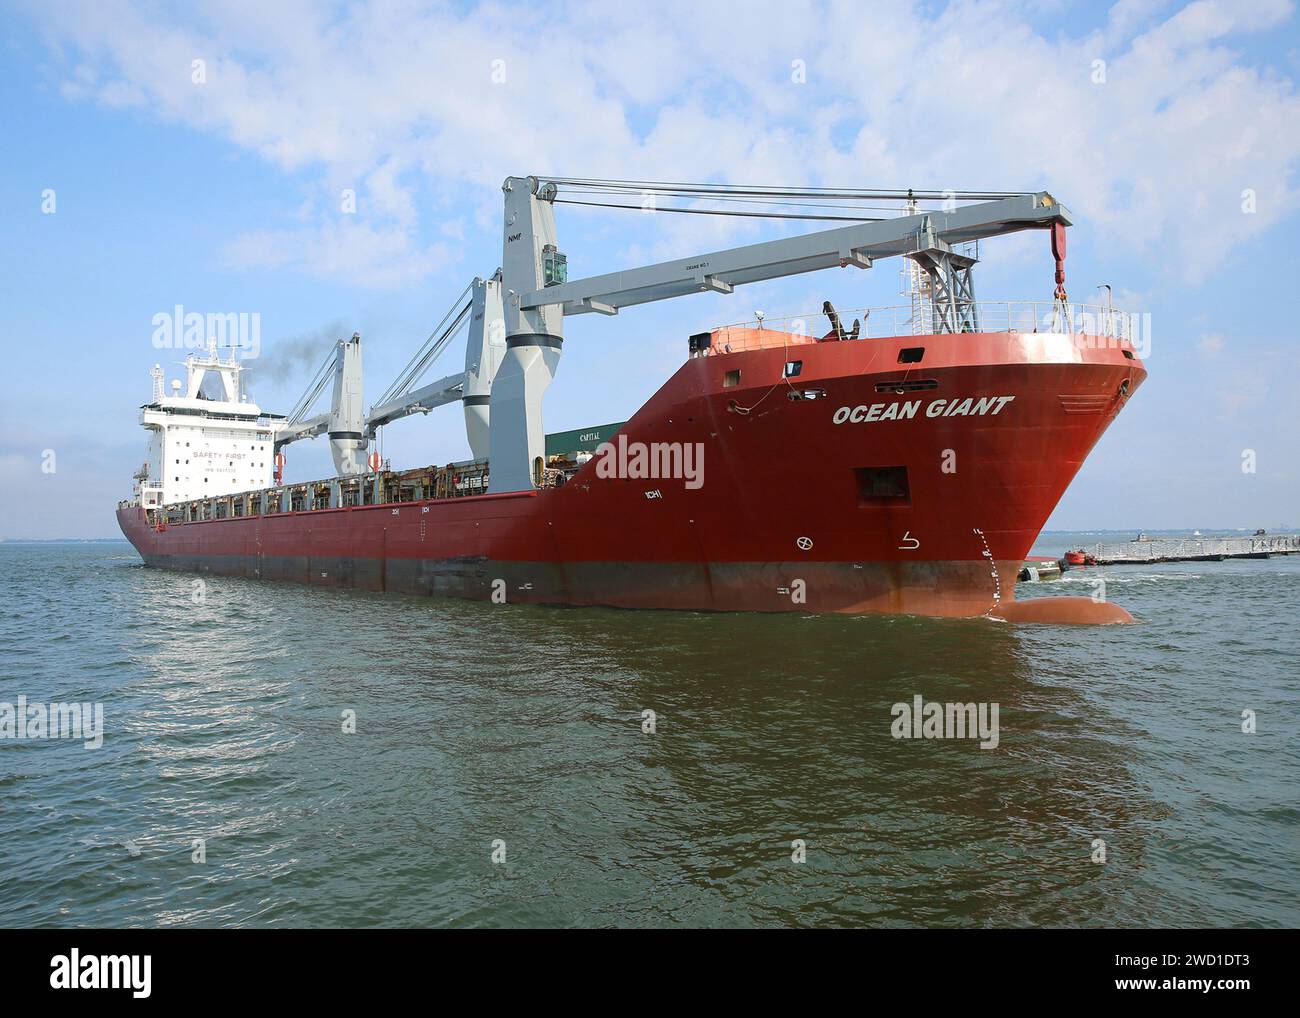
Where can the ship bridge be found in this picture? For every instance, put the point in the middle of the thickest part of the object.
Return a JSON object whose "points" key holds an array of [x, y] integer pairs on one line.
{"points": [[201, 446]]}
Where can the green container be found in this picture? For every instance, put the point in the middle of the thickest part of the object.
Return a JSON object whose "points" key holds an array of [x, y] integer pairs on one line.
{"points": [[582, 440]]}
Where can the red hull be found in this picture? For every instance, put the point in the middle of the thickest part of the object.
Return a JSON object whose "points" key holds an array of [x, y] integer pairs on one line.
{"points": [[781, 499]]}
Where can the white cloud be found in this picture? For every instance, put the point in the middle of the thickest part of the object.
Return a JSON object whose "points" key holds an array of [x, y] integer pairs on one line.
{"points": [[380, 257], [1210, 345], [377, 97]]}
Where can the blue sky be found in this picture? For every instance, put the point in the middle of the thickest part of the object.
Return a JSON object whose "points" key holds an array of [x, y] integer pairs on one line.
{"points": [[224, 196]]}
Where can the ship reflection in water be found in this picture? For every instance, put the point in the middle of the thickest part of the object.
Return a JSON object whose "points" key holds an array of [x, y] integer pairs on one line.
{"points": [[521, 731]]}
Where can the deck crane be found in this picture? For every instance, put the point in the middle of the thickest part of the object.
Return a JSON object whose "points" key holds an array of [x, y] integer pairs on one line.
{"points": [[344, 423], [516, 318], [538, 296], [351, 430], [479, 306]]}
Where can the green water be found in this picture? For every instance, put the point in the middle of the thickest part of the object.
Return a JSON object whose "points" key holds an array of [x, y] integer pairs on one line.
{"points": [[478, 724]]}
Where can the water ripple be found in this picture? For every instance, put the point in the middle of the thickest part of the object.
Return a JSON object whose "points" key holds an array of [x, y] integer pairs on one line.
{"points": [[224, 734]]}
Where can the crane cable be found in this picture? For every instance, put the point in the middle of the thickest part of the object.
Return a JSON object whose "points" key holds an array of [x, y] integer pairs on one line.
{"points": [[314, 388], [807, 198], [720, 212], [431, 348], [774, 191]]}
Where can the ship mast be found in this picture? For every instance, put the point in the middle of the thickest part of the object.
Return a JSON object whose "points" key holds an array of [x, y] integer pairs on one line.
{"points": [[915, 285]]}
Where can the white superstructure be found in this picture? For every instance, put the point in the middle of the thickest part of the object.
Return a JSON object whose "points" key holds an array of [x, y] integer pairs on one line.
{"points": [[200, 447]]}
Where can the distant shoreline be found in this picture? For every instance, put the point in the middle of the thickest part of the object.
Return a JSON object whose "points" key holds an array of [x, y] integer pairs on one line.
{"points": [[63, 540]]}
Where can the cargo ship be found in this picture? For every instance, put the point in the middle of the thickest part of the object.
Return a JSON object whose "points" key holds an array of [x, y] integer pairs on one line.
{"points": [[903, 468]]}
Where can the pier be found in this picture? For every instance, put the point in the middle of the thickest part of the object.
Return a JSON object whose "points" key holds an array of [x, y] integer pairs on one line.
{"points": [[1143, 551]]}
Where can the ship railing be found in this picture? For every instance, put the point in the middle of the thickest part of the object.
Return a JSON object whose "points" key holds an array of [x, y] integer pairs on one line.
{"points": [[922, 319], [432, 483]]}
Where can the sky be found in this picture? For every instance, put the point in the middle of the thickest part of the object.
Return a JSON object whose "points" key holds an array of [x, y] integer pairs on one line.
{"points": [[160, 154]]}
